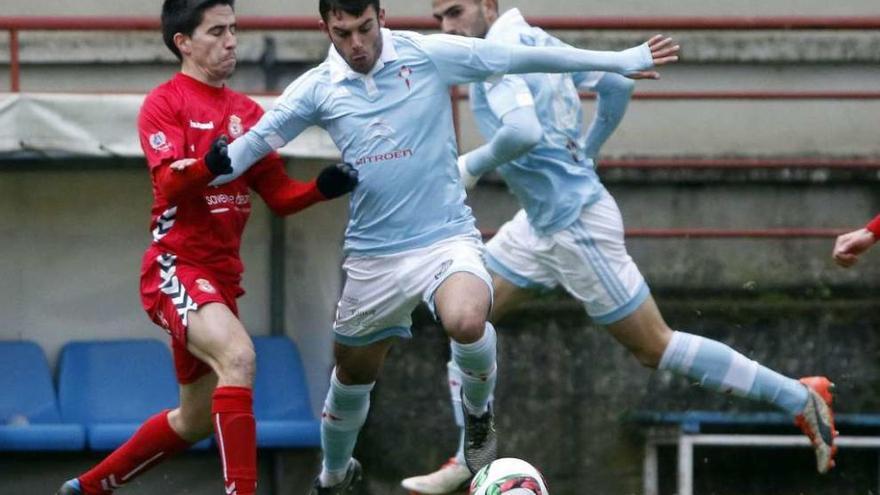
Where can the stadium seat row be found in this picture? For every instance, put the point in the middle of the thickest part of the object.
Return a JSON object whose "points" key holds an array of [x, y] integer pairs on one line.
{"points": [[106, 389]]}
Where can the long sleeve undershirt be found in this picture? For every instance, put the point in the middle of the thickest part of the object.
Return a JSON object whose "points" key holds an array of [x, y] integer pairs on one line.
{"points": [[614, 92], [521, 131]]}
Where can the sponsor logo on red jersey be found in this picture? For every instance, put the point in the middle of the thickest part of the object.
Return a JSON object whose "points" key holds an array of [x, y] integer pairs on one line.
{"points": [[238, 199], [203, 126]]}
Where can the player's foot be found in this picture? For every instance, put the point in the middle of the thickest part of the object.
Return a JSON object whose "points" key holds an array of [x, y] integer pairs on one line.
{"points": [[817, 420], [70, 487], [480, 441], [349, 485], [452, 477]]}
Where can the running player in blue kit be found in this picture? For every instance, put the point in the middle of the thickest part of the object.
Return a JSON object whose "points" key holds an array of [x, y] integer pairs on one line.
{"points": [[569, 232]]}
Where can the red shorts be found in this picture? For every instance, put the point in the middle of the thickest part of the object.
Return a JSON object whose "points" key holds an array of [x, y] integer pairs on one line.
{"points": [[169, 291]]}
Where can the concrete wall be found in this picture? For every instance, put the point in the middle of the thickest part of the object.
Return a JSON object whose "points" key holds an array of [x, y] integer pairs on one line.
{"points": [[73, 242], [70, 256]]}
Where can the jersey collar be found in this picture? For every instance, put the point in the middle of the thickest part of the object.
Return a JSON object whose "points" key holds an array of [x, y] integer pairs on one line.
{"points": [[340, 70], [510, 20], [198, 86]]}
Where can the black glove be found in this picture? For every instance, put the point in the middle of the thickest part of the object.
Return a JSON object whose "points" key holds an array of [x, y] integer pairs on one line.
{"points": [[217, 159], [336, 180]]}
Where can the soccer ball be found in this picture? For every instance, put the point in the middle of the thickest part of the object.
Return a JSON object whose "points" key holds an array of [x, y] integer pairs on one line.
{"points": [[508, 476]]}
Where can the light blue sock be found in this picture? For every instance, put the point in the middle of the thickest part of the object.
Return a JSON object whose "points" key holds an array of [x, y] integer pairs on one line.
{"points": [[345, 412], [718, 367], [478, 371]]}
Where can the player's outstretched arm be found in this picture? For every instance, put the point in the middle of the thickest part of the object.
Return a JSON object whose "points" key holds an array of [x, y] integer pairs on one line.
{"points": [[285, 195], [186, 176], [657, 51], [461, 60], [848, 247], [288, 118]]}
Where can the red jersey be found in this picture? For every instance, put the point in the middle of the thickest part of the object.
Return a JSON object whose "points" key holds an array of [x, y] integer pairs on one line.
{"points": [[199, 224]]}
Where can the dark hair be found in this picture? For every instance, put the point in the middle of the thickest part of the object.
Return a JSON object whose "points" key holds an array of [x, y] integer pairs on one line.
{"points": [[353, 7], [184, 16]]}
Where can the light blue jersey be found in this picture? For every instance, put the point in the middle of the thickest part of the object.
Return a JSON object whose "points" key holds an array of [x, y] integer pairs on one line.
{"points": [[557, 178], [394, 125]]}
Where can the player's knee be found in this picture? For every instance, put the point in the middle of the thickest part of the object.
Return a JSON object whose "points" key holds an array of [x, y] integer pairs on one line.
{"points": [[238, 365], [355, 375], [466, 327]]}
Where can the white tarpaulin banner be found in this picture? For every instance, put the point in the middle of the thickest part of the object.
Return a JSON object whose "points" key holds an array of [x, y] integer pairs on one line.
{"points": [[102, 125]]}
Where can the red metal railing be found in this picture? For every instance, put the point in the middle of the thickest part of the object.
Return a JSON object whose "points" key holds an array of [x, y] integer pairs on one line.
{"points": [[697, 233], [304, 23], [709, 233], [742, 163], [14, 25]]}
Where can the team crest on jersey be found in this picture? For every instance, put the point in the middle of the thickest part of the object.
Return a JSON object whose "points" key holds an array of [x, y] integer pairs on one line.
{"points": [[235, 127], [159, 142], [205, 286], [405, 73]]}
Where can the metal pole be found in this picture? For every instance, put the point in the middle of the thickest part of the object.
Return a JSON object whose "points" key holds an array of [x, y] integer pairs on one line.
{"points": [[14, 66], [651, 483], [685, 465], [277, 278]]}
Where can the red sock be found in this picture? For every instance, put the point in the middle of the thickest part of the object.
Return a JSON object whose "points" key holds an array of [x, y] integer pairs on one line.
{"points": [[151, 444], [236, 433]]}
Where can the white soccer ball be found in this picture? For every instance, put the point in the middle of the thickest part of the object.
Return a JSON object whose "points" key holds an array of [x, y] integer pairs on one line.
{"points": [[508, 476]]}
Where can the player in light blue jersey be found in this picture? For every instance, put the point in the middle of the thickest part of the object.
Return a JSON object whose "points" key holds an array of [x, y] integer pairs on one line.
{"points": [[570, 232], [383, 97]]}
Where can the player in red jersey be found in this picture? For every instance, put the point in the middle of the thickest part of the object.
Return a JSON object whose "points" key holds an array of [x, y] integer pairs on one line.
{"points": [[192, 270], [848, 247]]}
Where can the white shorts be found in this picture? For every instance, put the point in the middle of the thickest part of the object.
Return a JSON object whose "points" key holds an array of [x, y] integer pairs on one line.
{"points": [[588, 259], [381, 292]]}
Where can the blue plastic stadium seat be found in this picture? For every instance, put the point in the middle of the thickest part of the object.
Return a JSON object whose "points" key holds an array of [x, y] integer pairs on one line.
{"points": [[281, 397], [113, 386], [29, 417]]}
